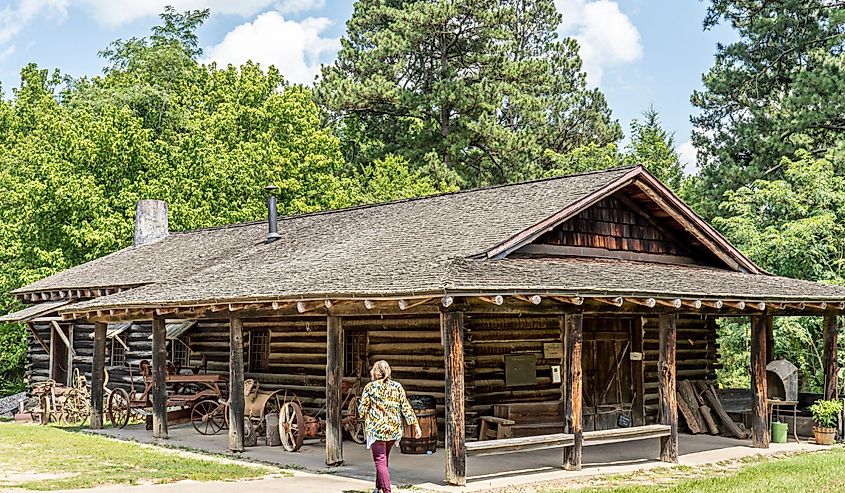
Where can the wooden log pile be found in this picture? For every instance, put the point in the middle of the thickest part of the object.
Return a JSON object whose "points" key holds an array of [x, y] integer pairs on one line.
{"points": [[698, 402]]}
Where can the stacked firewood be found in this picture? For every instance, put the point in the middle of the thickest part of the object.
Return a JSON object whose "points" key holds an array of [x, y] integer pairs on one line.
{"points": [[703, 412]]}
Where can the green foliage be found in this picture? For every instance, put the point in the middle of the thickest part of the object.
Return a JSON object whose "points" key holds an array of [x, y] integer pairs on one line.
{"points": [[826, 413], [779, 88], [654, 148], [472, 92], [794, 226], [13, 348], [76, 155]]}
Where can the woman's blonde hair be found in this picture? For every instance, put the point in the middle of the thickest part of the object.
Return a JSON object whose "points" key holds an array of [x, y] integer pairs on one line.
{"points": [[380, 371]]}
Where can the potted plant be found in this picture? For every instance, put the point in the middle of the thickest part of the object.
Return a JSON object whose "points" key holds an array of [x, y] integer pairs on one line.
{"points": [[825, 418]]}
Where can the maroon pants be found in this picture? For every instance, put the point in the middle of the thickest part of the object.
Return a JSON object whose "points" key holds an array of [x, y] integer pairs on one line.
{"points": [[381, 458]]}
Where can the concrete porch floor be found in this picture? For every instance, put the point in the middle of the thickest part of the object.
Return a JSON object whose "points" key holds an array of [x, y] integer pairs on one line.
{"points": [[426, 471]]}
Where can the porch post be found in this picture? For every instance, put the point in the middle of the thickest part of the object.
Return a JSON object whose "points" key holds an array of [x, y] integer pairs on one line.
{"points": [[668, 404], [770, 340], [759, 408], [452, 328], [831, 363], [236, 385], [334, 380], [637, 374], [98, 376], [574, 341], [159, 396]]}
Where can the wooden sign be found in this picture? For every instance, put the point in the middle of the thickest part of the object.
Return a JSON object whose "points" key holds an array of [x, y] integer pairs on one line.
{"points": [[552, 350]]}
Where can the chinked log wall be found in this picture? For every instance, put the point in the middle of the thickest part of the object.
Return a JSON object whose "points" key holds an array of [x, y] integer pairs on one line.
{"points": [[491, 338], [136, 337]]}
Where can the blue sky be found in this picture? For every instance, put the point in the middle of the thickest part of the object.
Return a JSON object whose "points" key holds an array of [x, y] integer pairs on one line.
{"points": [[639, 52]]}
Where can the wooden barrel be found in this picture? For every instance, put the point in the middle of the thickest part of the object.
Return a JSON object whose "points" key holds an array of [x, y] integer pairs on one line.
{"points": [[425, 408]]}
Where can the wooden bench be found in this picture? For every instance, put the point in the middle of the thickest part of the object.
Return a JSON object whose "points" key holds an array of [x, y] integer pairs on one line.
{"points": [[560, 440], [527, 419]]}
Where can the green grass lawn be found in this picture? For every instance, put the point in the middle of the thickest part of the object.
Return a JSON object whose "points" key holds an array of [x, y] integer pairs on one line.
{"points": [[808, 472], [50, 458]]}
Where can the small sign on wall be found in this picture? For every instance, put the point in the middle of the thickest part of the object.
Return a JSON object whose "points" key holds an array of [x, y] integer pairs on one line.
{"points": [[520, 369], [635, 356], [552, 350]]}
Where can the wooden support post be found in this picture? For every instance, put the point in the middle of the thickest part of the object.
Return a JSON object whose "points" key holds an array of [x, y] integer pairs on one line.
{"points": [[564, 372], [831, 363], [159, 396], [98, 375], [334, 397], [574, 341], [668, 404], [236, 385], [770, 340], [637, 373], [452, 328], [759, 408]]}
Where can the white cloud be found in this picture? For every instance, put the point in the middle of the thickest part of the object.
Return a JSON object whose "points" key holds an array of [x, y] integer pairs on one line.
{"points": [[14, 18], [117, 12], [607, 36], [688, 156], [295, 48]]}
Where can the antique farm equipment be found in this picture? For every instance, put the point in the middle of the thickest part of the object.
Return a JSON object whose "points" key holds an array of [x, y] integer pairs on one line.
{"points": [[295, 426], [57, 403], [209, 416], [425, 408], [185, 392]]}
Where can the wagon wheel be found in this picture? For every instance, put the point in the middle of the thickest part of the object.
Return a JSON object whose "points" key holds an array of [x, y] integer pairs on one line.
{"points": [[291, 426], [75, 408], [46, 413], [207, 416], [119, 408], [355, 424]]}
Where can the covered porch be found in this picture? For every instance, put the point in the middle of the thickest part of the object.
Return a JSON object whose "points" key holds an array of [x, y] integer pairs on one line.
{"points": [[461, 402]]}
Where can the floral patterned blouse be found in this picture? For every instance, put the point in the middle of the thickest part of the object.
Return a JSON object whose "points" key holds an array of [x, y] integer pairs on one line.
{"points": [[383, 405]]}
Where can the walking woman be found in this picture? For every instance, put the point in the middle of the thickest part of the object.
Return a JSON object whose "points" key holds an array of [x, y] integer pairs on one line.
{"points": [[383, 406]]}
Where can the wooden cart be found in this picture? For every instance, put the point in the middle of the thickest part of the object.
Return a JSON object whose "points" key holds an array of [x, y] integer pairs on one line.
{"points": [[184, 392], [295, 426]]}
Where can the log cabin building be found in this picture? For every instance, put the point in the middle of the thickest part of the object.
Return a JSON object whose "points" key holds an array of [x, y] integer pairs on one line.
{"points": [[586, 295]]}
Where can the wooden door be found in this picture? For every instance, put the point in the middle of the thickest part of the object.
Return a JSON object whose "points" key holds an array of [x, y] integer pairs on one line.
{"points": [[607, 372]]}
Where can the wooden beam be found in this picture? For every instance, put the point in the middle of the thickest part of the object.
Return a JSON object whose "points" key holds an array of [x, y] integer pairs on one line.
{"points": [[675, 303], [564, 371], [647, 302], [572, 300], [668, 403], [770, 340], [98, 375], [159, 394], [739, 305], [534, 299], [637, 373], [38, 338], [617, 301], [695, 304], [495, 300], [334, 395], [574, 390], [452, 328], [236, 385], [447, 301], [717, 304], [61, 333], [759, 408], [830, 358]]}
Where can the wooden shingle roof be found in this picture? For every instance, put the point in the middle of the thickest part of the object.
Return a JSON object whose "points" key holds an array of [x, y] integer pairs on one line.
{"points": [[450, 243]]}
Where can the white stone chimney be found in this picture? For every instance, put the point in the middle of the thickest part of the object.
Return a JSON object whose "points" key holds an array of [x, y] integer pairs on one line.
{"points": [[150, 221]]}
